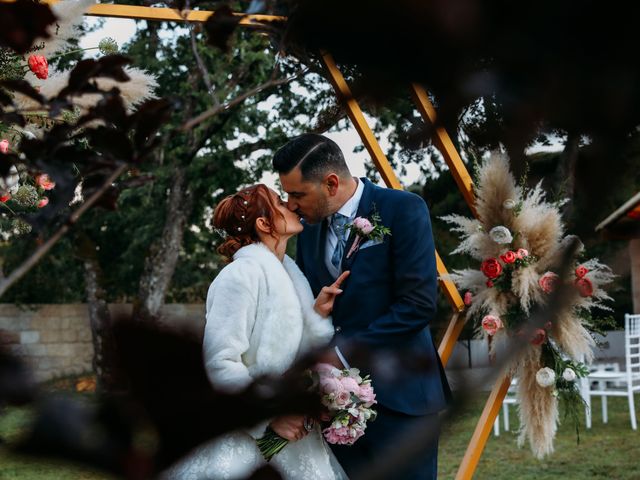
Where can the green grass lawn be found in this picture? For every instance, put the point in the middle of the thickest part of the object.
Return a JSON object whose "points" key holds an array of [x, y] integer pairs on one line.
{"points": [[605, 452]]}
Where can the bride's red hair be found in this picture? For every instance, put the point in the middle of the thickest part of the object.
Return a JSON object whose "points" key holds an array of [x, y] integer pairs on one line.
{"points": [[236, 215]]}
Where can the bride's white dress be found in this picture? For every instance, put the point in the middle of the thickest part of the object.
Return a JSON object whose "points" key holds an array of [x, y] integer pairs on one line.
{"points": [[260, 318]]}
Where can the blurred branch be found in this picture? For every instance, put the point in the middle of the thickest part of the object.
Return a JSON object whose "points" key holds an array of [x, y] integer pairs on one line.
{"points": [[38, 254], [203, 69], [237, 100]]}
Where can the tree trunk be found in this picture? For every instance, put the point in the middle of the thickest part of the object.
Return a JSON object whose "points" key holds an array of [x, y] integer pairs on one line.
{"points": [[566, 172], [161, 262], [99, 318]]}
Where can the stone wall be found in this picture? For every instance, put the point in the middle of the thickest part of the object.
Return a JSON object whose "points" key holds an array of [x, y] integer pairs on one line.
{"points": [[55, 340]]}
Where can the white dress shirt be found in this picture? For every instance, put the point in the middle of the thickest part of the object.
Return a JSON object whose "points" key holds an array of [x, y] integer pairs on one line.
{"points": [[349, 209]]}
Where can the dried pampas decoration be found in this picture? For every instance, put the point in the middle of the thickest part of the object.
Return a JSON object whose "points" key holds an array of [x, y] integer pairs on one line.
{"points": [[519, 240]]}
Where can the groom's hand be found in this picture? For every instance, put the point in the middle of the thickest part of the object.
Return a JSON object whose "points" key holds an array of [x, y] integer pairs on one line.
{"points": [[289, 427], [326, 297]]}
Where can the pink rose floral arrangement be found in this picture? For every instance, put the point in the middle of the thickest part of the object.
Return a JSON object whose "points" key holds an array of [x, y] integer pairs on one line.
{"points": [[518, 245], [366, 229], [348, 399]]}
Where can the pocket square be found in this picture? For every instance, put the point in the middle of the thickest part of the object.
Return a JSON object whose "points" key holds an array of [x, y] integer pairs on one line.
{"points": [[371, 243]]}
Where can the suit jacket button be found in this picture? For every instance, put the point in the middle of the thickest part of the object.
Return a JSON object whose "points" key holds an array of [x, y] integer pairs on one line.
{"points": [[338, 329]]}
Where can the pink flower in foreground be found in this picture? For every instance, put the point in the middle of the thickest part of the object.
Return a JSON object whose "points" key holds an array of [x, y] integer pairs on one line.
{"points": [[367, 395], [331, 384], [343, 435], [350, 384], [4, 146], [39, 66], [539, 336], [324, 369], [581, 271], [45, 182], [468, 298], [521, 253], [44, 201], [342, 399], [491, 324], [548, 282], [508, 257], [585, 287], [363, 225]]}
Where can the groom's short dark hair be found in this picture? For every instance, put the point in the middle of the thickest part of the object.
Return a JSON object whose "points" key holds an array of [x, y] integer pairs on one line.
{"points": [[316, 155]]}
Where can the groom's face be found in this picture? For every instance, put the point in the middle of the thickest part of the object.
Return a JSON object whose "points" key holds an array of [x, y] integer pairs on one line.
{"points": [[308, 199]]}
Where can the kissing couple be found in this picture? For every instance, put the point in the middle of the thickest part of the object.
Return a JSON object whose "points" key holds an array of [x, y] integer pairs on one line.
{"points": [[364, 274]]}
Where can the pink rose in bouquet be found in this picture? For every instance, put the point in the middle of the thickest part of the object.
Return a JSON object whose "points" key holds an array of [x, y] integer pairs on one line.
{"points": [[548, 282], [585, 287], [367, 395], [45, 182], [491, 268], [508, 257], [521, 253], [491, 324], [4, 146], [343, 435], [348, 398], [581, 271], [468, 298]]}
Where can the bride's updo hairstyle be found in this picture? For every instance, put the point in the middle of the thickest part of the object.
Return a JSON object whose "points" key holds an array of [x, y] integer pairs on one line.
{"points": [[236, 216]]}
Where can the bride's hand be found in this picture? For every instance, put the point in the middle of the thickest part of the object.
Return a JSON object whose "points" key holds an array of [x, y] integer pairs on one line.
{"points": [[289, 427], [326, 297]]}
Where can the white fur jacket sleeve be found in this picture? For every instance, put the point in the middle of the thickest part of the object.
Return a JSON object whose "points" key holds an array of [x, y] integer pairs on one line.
{"points": [[260, 318]]}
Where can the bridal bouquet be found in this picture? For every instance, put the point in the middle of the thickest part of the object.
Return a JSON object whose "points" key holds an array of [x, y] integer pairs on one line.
{"points": [[520, 256], [348, 398]]}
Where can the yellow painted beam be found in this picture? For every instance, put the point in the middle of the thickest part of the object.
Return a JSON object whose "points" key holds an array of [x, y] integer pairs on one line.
{"points": [[443, 142], [380, 159], [360, 123], [483, 429], [451, 334], [168, 14]]}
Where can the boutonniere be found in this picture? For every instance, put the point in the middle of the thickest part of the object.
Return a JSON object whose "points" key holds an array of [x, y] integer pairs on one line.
{"points": [[366, 229]]}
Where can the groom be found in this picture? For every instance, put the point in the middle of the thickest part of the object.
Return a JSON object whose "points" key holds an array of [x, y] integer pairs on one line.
{"points": [[388, 299]]}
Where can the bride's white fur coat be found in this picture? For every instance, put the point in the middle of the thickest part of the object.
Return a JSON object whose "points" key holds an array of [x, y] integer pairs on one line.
{"points": [[260, 318]]}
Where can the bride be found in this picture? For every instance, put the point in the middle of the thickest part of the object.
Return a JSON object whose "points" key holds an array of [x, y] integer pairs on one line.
{"points": [[261, 316]]}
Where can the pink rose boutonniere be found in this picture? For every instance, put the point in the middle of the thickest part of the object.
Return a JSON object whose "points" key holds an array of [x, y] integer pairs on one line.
{"points": [[366, 229]]}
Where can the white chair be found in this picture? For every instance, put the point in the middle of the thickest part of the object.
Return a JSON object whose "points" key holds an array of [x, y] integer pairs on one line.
{"points": [[608, 382], [510, 399]]}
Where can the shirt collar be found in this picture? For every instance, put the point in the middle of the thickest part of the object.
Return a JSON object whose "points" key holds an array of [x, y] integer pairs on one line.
{"points": [[350, 208]]}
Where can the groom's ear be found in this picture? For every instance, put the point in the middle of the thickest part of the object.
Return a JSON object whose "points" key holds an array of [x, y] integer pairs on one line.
{"points": [[332, 183], [263, 225]]}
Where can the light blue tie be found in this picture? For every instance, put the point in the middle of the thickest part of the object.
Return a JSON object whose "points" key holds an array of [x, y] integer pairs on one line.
{"points": [[338, 222]]}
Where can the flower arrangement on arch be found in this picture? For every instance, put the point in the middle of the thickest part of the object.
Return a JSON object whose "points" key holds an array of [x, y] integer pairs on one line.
{"points": [[519, 243]]}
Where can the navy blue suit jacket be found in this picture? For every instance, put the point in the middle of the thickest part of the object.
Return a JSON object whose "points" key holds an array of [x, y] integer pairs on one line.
{"points": [[389, 298]]}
